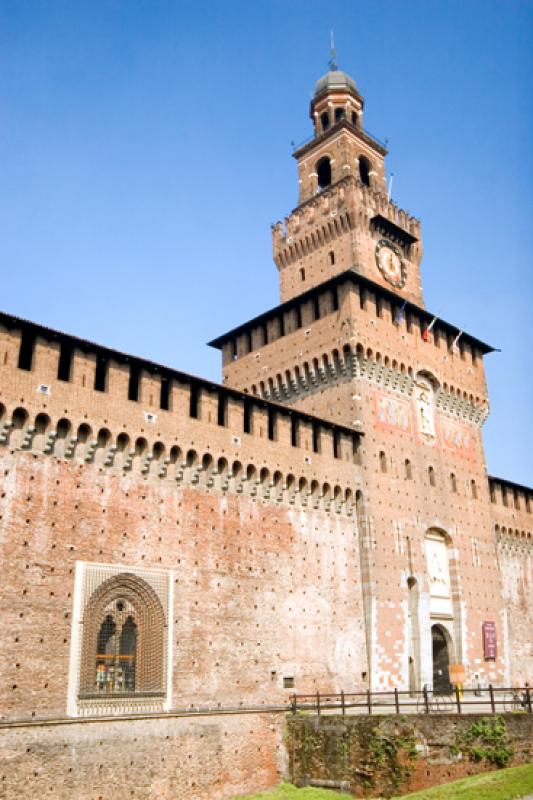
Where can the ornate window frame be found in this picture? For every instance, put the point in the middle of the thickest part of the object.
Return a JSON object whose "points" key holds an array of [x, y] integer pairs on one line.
{"points": [[143, 595]]}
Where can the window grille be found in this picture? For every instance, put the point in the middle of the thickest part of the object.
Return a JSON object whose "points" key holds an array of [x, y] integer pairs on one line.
{"points": [[121, 640]]}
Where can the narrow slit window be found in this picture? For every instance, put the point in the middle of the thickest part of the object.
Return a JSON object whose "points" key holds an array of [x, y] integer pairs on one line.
{"points": [[65, 362], [295, 433], [164, 399], [193, 403], [316, 438], [247, 417], [272, 424], [100, 375], [133, 384], [222, 409], [27, 344]]}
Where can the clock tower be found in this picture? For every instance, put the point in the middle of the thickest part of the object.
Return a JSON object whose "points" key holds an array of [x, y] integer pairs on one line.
{"points": [[344, 218], [351, 342]]}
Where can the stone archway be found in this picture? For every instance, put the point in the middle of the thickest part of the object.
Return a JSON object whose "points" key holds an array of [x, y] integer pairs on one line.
{"points": [[441, 660]]}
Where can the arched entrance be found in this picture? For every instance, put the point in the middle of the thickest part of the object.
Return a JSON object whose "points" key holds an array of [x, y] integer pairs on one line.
{"points": [[441, 660]]}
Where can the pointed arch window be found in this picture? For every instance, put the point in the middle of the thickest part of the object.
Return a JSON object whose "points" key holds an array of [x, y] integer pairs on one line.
{"points": [[123, 642]]}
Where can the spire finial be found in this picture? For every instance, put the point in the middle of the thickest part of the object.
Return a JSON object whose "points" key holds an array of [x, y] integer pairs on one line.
{"points": [[332, 63]]}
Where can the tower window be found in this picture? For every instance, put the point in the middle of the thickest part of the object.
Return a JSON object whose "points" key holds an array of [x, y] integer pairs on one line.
{"points": [[133, 383], [324, 120], [364, 170], [316, 438], [295, 432], [474, 490], [302, 274], [100, 375], [431, 476], [383, 461], [331, 257], [453, 481], [164, 397], [408, 470], [340, 113], [323, 169], [27, 341], [355, 118], [65, 362]]}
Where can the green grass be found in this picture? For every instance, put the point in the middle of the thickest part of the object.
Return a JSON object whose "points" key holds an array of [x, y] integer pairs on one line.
{"points": [[504, 784], [286, 791]]}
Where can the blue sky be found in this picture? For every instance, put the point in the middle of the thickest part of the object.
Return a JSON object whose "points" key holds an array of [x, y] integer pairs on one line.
{"points": [[145, 151]]}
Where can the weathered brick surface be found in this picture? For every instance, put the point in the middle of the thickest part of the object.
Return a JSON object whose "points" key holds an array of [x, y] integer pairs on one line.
{"points": [[258, 589], [208, 758]]}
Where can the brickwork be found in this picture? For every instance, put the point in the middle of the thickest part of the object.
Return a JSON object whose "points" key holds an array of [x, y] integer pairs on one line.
{"points": [[209, 758], [511, 516]]}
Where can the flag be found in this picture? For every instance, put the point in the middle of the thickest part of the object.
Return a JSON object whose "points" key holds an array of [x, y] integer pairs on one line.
{"points": [[427, 331], [454, 343], [400, 313]]}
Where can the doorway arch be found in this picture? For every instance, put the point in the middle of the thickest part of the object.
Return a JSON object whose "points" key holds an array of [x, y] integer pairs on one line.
{"points": [[440, 648]]}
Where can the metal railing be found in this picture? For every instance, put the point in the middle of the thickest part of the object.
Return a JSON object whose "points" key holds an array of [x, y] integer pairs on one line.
{"points": [[491, 700]]}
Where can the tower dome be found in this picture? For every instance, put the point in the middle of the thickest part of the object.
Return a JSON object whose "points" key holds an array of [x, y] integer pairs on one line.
{"points": [[335, 80]]}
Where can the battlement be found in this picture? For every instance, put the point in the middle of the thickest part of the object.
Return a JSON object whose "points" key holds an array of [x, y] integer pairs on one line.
{"points": [[510, 495], [328, 210], [71, 398], [366, 318]]}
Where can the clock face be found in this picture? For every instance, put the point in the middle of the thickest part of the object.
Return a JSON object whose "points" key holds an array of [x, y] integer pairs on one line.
{"points": [[390, 263]]}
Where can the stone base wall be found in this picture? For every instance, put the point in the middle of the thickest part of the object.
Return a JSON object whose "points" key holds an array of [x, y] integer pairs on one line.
{"points": [[385, 756], [162, 758]]}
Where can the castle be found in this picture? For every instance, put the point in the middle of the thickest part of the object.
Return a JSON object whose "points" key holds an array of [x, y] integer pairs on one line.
{"points": [[321, 519]]}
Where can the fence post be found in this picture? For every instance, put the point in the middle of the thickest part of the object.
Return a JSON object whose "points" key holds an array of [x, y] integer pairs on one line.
{"points": [[492, 703], [458, 698], [528, 698], [396, 700], [426, 698], [342, 704], [318, 703], [369, 700]]}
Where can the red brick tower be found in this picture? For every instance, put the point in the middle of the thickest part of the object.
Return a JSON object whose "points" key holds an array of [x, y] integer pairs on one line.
{"points": [[352, 342]]}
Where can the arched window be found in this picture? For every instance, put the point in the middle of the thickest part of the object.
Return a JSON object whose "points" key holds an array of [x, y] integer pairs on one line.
{"points": [[324, 120], [364, 170], [323, 169], [383, 461], [453, 482], [474, 489], [123, 649], [408, 470], [340, 113], [431, 476]]}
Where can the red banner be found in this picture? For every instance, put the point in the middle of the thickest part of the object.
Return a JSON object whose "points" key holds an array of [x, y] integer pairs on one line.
{"points": [[490, 648]]}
